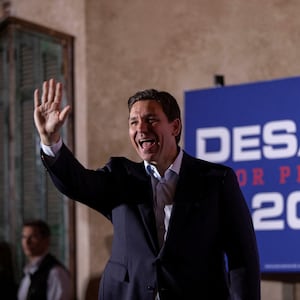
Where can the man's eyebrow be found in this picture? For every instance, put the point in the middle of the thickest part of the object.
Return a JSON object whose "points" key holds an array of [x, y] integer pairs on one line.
{"points": [[132, 118], [148, 115]]}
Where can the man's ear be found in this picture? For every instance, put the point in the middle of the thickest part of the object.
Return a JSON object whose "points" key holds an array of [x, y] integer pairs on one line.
{"points": [[176, 127]]}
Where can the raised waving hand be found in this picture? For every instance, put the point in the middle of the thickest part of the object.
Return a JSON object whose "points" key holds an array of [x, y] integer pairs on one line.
{"points": [[49, 117]]}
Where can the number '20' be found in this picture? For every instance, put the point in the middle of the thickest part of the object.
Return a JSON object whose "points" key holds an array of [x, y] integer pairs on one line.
{"points": [[270, 217]]}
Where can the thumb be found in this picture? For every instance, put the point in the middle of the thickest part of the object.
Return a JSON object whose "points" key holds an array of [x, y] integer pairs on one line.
{"points": [[64, 113]]}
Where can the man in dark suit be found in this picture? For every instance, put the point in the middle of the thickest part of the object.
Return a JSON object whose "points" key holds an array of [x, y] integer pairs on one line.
{"points": [[182, 228]]}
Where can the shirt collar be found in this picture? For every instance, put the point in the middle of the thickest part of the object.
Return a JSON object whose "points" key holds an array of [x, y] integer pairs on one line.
{"points": [[175, 166], [32, 266]]}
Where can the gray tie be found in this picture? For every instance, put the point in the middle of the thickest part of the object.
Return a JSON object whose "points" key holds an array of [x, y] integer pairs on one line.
{"points": [[164, 194]]}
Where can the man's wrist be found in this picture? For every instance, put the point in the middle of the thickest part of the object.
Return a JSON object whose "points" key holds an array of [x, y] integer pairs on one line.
{"points": [[52, 150]]}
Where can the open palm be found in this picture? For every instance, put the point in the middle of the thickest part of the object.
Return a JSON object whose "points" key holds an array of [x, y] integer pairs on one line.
{"points": [[48, 115]]}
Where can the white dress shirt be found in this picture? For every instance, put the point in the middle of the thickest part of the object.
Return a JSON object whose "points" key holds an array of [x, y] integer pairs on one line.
{"points": [[58, 285]]}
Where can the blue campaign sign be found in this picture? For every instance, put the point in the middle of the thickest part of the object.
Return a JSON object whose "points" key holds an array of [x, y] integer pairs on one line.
{"points": [[254, 128]]}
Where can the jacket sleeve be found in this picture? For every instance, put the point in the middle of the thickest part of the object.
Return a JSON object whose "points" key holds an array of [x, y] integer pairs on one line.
{"points": [[240, 244], [93, 188]]}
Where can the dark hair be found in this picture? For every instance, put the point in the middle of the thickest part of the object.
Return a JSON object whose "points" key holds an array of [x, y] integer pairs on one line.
{"points": [[166, 100], [41, 225]]}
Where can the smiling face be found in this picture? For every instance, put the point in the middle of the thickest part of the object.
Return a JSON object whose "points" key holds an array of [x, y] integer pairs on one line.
{"points": [[152, 135]]}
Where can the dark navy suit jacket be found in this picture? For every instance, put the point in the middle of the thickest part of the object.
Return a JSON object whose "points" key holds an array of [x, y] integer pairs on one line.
{"points": [[210, 219]]}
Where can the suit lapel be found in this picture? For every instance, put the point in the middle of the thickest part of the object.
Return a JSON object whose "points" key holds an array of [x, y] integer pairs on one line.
{"points": [[146, 207], [191, 188]]}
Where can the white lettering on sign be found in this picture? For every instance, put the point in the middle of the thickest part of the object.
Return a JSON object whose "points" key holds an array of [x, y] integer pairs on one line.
{"points": [[271, 210], [220, 133], [273, 140]]}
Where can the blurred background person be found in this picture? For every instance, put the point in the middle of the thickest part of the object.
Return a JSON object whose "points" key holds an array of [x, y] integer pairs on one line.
{"points": [[45, 277]]}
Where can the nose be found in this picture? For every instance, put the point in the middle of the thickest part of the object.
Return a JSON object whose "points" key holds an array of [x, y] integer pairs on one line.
{"points": [[26, 240], [142, 126]]}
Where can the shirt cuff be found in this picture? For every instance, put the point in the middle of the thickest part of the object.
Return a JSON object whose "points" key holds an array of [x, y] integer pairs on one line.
{"points": [[53, 149]]}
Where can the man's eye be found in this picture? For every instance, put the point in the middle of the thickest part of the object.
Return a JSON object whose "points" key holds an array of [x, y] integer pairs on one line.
{"points": [[151, 121], [132, 123]]}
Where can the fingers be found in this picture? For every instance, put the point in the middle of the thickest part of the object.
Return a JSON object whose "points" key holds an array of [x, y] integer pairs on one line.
{"points": [[45, 92], [52, 91], [58, 93], [36, 98]]}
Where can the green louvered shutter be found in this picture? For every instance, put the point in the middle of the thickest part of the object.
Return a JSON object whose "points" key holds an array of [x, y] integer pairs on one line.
{"points": [[29, 57]]}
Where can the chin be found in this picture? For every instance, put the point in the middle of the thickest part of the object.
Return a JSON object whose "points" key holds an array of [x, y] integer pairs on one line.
{"points": [[147, 156], [144, 156]]}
